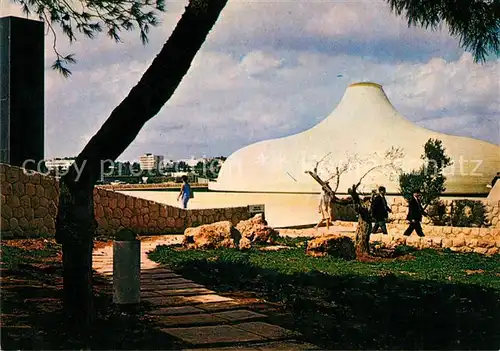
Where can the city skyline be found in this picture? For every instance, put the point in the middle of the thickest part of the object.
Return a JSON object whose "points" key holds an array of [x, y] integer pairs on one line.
{"points": [[276, 71]]}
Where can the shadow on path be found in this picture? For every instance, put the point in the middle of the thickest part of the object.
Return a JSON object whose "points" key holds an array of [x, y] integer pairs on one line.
{"points": [[357, 312]]}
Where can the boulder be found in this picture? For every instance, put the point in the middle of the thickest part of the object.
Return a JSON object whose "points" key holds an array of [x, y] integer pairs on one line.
{"points": [[256, 230], [212, 236], [336, 245]]}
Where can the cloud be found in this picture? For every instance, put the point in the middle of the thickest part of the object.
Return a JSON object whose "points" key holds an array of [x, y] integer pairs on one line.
{"points": [[271, 69]]}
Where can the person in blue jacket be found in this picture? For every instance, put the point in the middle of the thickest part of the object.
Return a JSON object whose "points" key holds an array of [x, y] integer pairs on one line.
{"points": [[185, 193]]}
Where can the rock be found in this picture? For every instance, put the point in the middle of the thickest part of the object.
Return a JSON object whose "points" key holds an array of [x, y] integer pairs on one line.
{"points": [[256, 230], [245, 244], [212, 236], [336, 245]]}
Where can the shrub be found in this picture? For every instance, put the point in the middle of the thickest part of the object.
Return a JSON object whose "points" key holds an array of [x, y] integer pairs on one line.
{"points": [[468, 213], [437, 213], [429, 178]]}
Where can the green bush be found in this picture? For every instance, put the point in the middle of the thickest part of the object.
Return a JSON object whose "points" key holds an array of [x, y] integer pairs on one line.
{"points": [[468, 213], [429, 178], [437, 213]]}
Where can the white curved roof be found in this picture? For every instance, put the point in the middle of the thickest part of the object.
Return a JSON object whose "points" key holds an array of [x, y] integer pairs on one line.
{"points": [[363, 123]]}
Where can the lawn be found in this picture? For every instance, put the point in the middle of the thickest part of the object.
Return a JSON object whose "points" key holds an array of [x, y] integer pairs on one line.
{"points": [[423, 300], [32, 313]]}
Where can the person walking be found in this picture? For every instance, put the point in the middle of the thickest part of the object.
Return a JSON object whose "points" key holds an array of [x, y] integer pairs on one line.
{"points": [[380, 210], [495, 179], [415, 213], [186, 193], [326, 209]]}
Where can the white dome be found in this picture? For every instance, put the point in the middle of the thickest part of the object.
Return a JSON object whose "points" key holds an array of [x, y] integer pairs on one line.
{"points": [[364, 123]]}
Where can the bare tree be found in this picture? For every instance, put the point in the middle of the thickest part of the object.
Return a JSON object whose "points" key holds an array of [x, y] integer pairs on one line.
{"points": [[388, 164]]}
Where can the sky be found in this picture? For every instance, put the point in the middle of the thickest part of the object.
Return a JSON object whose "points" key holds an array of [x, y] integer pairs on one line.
{"points": [[269, 69]]}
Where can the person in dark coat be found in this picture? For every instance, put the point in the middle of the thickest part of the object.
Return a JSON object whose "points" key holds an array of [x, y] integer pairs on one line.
{"points": [[380, 210], [495, 179], [415, 213]]}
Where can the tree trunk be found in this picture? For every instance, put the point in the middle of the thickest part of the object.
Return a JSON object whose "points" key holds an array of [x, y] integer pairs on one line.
{"points": [[75, 231], [363, 232], [364, 228], [76, 224]]}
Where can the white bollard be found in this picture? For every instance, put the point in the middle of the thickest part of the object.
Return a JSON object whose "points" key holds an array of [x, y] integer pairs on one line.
{"points": [[126, 272]]}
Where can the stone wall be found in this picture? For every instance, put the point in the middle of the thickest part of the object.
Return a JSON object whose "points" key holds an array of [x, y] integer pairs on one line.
{"points": [[115, 211], [460, 239], [399, 209], [30, 203]]}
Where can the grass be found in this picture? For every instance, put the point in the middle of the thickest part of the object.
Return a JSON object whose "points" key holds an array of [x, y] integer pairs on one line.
{"points": [[433, 300], [32, 311]]}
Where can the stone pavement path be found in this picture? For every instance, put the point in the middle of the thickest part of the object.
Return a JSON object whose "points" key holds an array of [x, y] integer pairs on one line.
{"points": [[198, 316]]}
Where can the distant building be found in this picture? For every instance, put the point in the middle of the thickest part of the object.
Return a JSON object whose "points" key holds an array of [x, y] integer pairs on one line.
{"points": [[59, 163], [149, 162]]}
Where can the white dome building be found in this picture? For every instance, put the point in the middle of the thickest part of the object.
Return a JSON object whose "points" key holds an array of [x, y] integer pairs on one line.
{"points": [[364, 123]]}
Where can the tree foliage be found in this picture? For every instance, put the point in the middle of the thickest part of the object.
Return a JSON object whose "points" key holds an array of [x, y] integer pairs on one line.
{"points": [[90, 17], [476, 23], [429, 178]]}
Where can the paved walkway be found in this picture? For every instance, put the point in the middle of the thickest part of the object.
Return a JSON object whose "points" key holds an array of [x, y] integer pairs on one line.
{"points": [[198, 316]]}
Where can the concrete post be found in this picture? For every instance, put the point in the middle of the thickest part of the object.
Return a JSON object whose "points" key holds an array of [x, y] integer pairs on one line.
{"points": [[126, 272]]}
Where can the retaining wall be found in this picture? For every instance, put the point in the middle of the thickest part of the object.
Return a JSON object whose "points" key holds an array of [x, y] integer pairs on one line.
{"points": [[399, 208], [29, 205]]}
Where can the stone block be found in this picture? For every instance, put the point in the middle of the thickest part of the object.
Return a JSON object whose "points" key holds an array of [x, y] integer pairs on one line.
{"points": [[104, 201], [41, 212], [127, 213], [459, 241], [108, 212], [179, 223], [413, 240], [130, 202], [48, 221], [175, 212], [162, 223], [266, 330], [133, 222], [212, 334], [447, 243], [471, 242], [13, 223], [52, 209], [13, 201], [480, 250], [39, 190], [484, 232], [492, 251], [114, 223], [18, 212], [437, 242], [25, 201], [113, 202], [99, 211], [44, 202], [29, 213], [4, 224], [117, 213], [122, 201], [125, 221], [190, 320]]}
